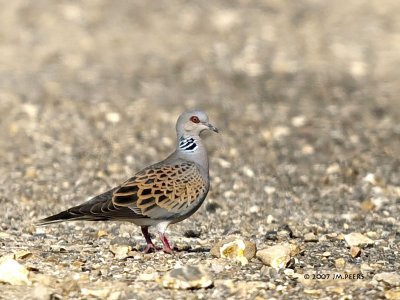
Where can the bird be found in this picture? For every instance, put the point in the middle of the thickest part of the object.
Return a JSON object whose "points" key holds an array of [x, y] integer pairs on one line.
{"points": [[161, 194]]}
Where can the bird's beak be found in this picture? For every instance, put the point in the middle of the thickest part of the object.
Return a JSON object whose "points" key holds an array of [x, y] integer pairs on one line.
{"points": [[211, 127]]}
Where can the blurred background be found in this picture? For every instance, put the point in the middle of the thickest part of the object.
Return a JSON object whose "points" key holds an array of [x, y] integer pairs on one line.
{"points": [[305, 94]]}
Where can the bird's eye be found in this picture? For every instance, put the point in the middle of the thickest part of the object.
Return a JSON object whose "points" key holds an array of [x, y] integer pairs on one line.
{"points": [[194, 119]]}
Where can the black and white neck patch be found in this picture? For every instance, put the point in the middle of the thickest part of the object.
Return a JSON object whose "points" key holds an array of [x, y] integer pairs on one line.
{"points": [[188, 144]]}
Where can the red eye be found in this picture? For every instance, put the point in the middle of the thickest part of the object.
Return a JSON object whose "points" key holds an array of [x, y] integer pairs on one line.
{"points": [[194, 119]]}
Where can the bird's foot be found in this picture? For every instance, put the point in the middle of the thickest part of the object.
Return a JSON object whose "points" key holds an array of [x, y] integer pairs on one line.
{"points": [[150, 248], [166, 247], [167, 250]]}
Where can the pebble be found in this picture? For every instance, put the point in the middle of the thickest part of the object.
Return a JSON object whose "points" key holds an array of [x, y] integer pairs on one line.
{"points": [[277, 256], [224, 163], [186, 277], [340, 263], [310, 237], [389, 278], [393, 294], [312, 292], [248, 172], [288, 272], [280, 132], [12, 272], [270, 219], [22, 254], [41, 291], [368, 205], [120, 251], [234, 249], [355, 251], [299, 121], [145, 276], [254, 209], [113, 117], [101, 233], [307, 149], [101, 293], [269, 190], [370, 178], [333, 169], [356, 239]]}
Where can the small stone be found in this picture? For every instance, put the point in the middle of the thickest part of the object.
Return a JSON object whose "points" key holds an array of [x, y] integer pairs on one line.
{"points": [[217, 268], [22, 254], [310, 237], [113, 168], [277, 256], [248, 172], [355, 251], [186, 277], [41, 291], [340, 237], [366, 268], [332, 236], [148, 276], [340, 263], [288, 272], [333, 169], [30, 109], [312, 292], [357, 239], [224, 163], [393, 294], [372, 234], [280, 132], [367, 205], [270, 219], [299, 121], [30, 173], [120, 251], [77, 264], [326, 254], [379, 202], [370, 178], [100, 293], [234, 248], [12, 272], [307, 149], [101, 233], [113, 117], [4, 235], [269, 190], [284, 232], [228, 284], [254, 209], [389, 278]]}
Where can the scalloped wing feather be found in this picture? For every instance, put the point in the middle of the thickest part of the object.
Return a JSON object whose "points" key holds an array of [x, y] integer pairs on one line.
{"points": [[173, 187]]}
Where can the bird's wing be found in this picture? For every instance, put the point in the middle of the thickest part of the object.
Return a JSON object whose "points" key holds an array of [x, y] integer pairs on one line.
{"points": [[172, 187]]}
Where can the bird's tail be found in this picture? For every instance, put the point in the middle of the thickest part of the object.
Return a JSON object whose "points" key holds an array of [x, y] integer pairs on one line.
{"points": [[58, 218]]}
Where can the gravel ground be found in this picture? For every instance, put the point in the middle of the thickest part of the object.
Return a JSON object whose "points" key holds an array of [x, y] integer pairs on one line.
{"points": [[305, 94]]}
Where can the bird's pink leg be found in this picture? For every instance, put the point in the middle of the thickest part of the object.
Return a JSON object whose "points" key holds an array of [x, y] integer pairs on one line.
{"points": [[166, 246], [150, 246]]}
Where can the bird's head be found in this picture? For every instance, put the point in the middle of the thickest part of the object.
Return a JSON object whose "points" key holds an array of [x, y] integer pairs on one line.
{"points": [[192, 123]]}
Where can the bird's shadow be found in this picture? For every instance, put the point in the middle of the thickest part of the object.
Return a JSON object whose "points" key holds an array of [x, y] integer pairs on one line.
{"points": [[191, 250]]}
